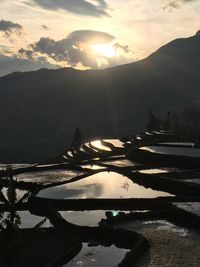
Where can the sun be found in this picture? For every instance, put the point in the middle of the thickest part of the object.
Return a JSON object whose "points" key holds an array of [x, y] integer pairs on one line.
{"points": [[106, 50]]}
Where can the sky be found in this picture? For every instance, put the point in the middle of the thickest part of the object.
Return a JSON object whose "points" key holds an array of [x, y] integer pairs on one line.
{"points": [[87, 34]]}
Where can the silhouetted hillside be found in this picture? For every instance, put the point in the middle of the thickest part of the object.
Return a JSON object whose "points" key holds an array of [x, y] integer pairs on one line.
{"points": [[40, 110]]}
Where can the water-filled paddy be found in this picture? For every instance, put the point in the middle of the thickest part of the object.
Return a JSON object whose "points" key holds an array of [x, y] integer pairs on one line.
{"points": [[101, 185], [98, 256], [105, 185], [48, 176], [190, 152]]}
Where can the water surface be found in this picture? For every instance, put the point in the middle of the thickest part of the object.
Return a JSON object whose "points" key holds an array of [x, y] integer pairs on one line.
{"points": [[115, 142], [48, 176], [190, 152], [98, 144], [101, 185], [98, 256]]}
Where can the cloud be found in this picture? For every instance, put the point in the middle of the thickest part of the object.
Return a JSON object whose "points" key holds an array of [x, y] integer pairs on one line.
{"points": [[76, 50], [44, 27], [10, 64], [95, 8], [8, 28], [6, 50], [90, 36], [125, 48], [174, 4]]}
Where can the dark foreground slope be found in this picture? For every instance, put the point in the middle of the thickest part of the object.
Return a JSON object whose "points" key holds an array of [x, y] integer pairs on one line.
{"points": [[40, 110]]}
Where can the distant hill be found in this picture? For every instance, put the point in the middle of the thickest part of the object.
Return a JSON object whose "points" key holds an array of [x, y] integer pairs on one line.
{"points": [[40, 109]]}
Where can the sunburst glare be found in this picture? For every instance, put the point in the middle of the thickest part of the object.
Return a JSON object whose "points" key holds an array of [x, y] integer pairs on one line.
{"points": [[104, 49]]}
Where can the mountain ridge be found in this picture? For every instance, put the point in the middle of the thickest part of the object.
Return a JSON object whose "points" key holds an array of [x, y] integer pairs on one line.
{"points": [[42, 108]]}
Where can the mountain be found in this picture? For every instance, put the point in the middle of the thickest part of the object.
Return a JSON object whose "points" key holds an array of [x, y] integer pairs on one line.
{"points": [[40, 109]]}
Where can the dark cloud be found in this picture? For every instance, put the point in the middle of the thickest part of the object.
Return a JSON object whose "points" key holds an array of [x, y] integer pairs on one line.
{"points": [[44, 27], [185, 1], [26, 53], [76, 50], [9, 28], [174, 4], [125, 48], [73, 50], [10, 64], [95, 8]]}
